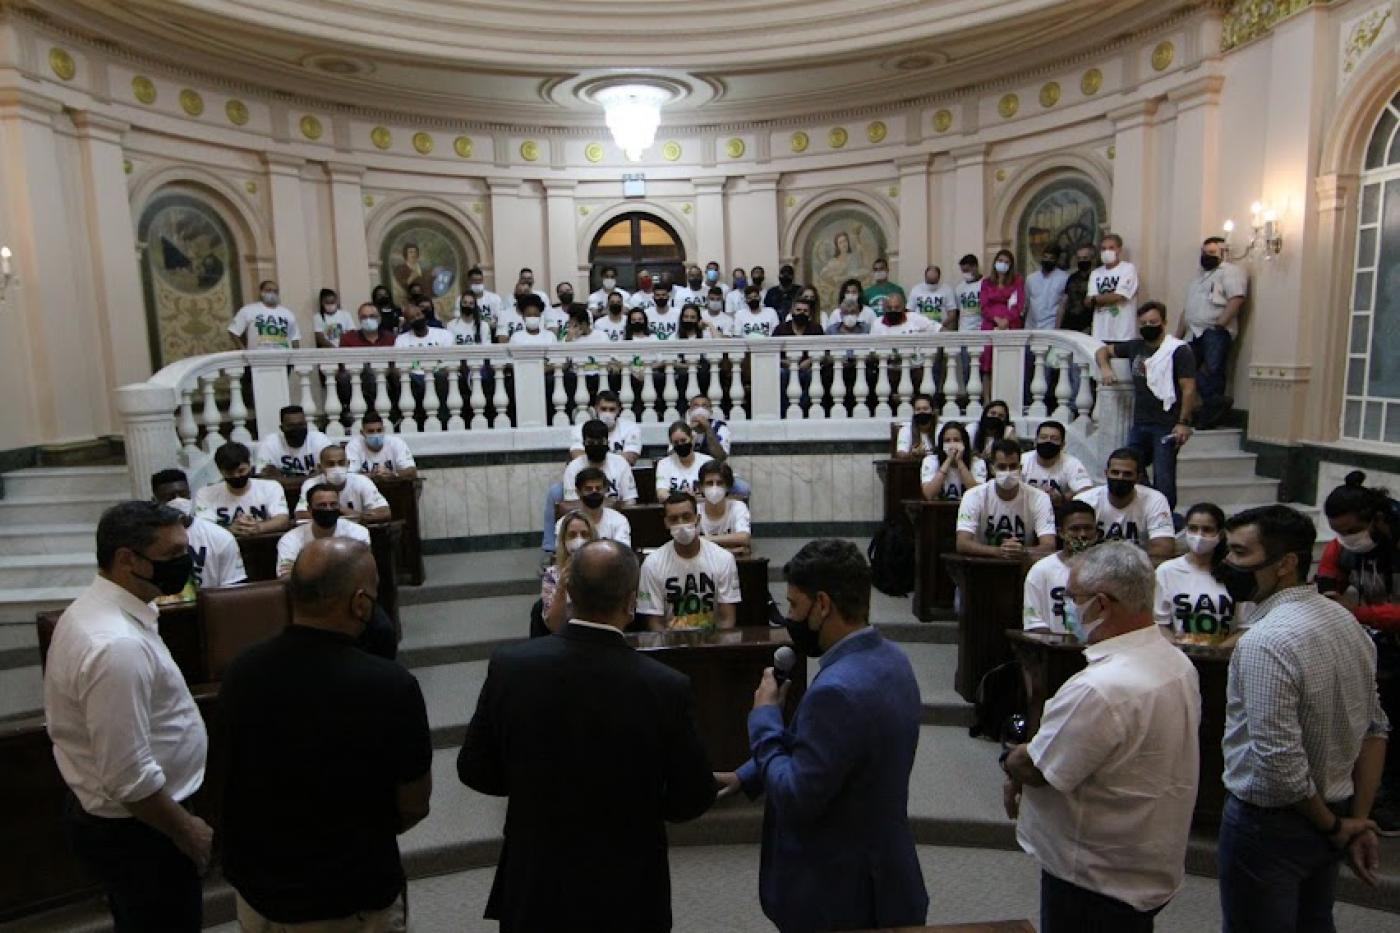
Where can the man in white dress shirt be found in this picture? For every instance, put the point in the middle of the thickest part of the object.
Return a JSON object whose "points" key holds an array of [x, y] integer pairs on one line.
{"points": [[127, 736], [1105, 790]]}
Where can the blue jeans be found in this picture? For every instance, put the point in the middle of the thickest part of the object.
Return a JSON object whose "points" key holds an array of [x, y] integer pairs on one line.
{"points": [[1158, 449], [551, 499], [1212, 353], [1277, 873], [1068, 908]]}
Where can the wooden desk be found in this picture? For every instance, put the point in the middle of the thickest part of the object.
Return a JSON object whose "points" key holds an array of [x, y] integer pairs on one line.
{"points": [[935, 538], [179, 629], [648, 522], [1049, 660], [402, 495], [901, 479], [724, 668], [752, 611], [990, 602], [645, 478]]}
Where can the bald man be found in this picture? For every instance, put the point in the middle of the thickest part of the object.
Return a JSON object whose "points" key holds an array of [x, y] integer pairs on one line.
{"points": [[329, 759], [596, 747]]}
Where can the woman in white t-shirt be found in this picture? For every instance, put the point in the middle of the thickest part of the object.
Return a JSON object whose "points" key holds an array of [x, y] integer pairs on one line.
{"points": [[575, 530], [723, 521], [994, 425], [916, 438], [679, 471], [331, 320], [952, 469], [1190, 601]]}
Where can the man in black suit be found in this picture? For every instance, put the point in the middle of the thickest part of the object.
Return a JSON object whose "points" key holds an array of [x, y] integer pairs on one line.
{"points": [[596, 747]]}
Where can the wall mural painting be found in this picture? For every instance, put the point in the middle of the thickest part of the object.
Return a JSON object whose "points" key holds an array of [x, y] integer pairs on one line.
{"points": [[428, 252], [842, 243], [1067, 212], [191, 277]]}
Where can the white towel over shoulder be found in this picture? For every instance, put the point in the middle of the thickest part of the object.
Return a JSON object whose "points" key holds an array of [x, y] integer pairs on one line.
{"points": [[1159, 371]]}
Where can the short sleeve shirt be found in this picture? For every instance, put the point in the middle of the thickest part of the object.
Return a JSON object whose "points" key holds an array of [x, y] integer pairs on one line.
{"points": [[621, 484], [1147, 517], [736, 520], [953, 484], [1066, 476], [624, 437], [912, 324], [1209, 293], [664, 322], [293, 461], [214, 550], [932, 301], [1043, 607], [394, 455], [674, 476], [612, 526], [969, 305], [1043, 294], [265, 328], [359, 493], [760, 323], [1193, 602], [1113, 323], [686, 593], [1147, 408], [333, 326], [263, 500], [993, 520], [291, 543]]}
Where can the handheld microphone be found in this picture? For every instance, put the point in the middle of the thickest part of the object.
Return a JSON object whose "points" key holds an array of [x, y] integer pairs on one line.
{"points": [[784, 659]]}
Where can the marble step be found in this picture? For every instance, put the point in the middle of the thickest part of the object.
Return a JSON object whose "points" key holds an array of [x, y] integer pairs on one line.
{"points": [[1191, 464], [25, 571], [66, 510], [1232, 495], [48, 539], [1221, 441], [23, 604], [60, 482]]}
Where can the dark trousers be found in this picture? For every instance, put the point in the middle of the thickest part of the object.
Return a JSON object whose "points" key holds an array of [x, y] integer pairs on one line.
{"points": [[1277, 873], [1068, 908], [150, 884], [1158, 449], [1212, 353]]}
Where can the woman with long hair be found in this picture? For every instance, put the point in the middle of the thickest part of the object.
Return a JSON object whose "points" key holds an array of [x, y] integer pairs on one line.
{"points": [[1003, 300], [575, 530], [953, 468], [994, 425], [1190, 601], [1357, 564]]}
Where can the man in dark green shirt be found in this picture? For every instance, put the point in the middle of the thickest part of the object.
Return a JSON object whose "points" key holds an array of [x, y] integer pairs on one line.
{"points": [[874, 296]]}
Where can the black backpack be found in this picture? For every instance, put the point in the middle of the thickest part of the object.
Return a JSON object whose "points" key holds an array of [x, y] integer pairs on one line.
{"points": [[891, 554], [999, 710]]}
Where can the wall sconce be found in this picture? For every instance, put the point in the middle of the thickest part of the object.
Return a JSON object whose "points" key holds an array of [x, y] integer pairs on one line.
{"points": [[1266, 236], [6, 276]]}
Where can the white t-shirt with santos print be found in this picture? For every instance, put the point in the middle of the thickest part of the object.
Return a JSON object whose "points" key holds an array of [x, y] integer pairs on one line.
{"points": [[622, 486], [952, 484], [1193, 602], [1067, 475], [273, 450], [265, 328], [674, 476], [394, 455], [1148, 516], [359, 494], [686, 593], [992, 519], [736, 520], [1115, 322], [263, 499], [1043, 606], [760, 323]]}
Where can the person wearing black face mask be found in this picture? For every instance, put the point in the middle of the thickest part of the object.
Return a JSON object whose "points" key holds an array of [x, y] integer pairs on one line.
{"points": [[1305, 735], [622, 486], [1077, 317], [1210, 322], [295, 450], [240, 503], [800, 323], [781, 296], [1164, 389], [916, 439], [1050, 469], [391, 316], [859, 717], [1128, 511], [323, 502]]}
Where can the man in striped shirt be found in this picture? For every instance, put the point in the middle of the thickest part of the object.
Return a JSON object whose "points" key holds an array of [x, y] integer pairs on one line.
{"points": [[1304, 739]]}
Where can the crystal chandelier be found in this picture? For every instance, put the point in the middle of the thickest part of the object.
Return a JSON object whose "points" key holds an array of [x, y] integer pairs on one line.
{"points": [[633, 112]]}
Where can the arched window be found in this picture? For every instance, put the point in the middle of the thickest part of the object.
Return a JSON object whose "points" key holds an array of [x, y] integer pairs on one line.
{"points": [[190, 274], [1067, 212], [631, 243], [1371, 410]]}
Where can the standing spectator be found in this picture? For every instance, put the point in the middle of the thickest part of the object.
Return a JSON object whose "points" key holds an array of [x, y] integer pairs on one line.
{"points": [[490, 303], [265, 324], [1164, 388], [127, 737], [1006, 518], [391, 315], [329, 760], [679, 470], [332, 321], [952, 469], [325, 520], [641, 765], [1190, 600], [556, 316], [689, 583], [360, 500], [215, 559], [1079, 316], [294, 450], [1212, 317], [509, 320], [896, 321], [781, 296], [1045, 292], [379, 453], [1104, 792], [599, 298], [1112, 295], [575, 529], [242, 504], [1043, 603], [527, 279], [969, 294], [1305, 735], [838, 850], [734, 297], [468, 326], [371, 332], [644, 298], [1129, 511], [1003, 300], [915, 439], [934, 300], [802, 322], [756, 279], [1050, 469], [876, 295], [724, 520]]}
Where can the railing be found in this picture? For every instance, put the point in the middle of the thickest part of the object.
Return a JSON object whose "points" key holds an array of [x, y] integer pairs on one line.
{"points": [[499, 397]]}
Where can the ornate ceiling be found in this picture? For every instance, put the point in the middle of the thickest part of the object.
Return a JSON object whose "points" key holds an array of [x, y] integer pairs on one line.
{"points": [[534, 61]]}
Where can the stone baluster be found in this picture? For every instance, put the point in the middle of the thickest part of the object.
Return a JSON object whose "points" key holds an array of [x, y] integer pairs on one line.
{"points": [[649, 415], [237, 410], [455, 421], [308, 398], [736, 386], [208, 383], [882, 387], [1064, 362], [793, 410], [1038, 384], [357, 400], [952, 382], [974, 388], [186, 427], [408, 423], [1084, 403], [381, 391], [478, 394], [907, 366], [558, 398], [629, 395], [581, 389], [332, 395], [840, 377], [817, 409], [862, 409], [670, 392], [432, 400]]}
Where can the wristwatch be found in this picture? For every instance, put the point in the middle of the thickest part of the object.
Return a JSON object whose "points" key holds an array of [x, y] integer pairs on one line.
{"points": [[1006, 753]]}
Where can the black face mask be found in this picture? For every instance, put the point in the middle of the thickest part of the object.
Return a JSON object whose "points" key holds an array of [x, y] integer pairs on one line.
{"points": [[805, 641], [993, 425], [800, 320], [383, 301], [694, 284], [923, 419], [1084, 265], [785, 280], [238, 482], [1210, 263], [614, 310], [1047, 266], [468, 311], [1239, 582], [639, 329], [1047, 450], [567, 298], [752, 303], [295, 436], [169, 576], [894, 317], [683, 450], [591, 499], [1151, 333], [596, 452], [325, 518], [420, 327], [1121, 488], [758, 281]]}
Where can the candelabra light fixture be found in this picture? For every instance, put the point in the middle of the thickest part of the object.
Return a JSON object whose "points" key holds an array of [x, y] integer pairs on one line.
{"points": [[7, 276], [1266, 236]]}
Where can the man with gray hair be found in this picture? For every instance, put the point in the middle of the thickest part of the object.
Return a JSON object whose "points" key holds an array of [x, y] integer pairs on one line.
{"points": [[1105, 789]]}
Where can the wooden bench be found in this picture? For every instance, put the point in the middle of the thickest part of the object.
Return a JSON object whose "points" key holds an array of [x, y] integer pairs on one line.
{"points": [[402, 495], [935, 538], [901, 480], [990, 597]]}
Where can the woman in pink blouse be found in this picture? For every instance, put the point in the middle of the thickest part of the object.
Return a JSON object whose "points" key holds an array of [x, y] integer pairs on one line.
{"points": [[1003, 300]]}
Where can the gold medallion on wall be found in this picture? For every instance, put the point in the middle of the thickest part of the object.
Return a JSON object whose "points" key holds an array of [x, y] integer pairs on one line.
{"points": [[127, 167], [687, 208], [191, 102], [837, 137], [250, 186], [237, 112], [62, 64], [593, 152], [462, 145], [1112, 153], [800, 141], [942, 121], [381, 137], [671, 151], [143, 89], [876, 132], [791, 201], [1008, 105], [369, 200], [422, 143], [1162, 56], [1050, 94], [1000, 175], [530, 150], [310, 127], [734, 148], [1091, 82]]}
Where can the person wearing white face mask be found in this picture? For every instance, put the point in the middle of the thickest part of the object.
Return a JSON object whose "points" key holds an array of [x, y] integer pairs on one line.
{"points": [[370, 333], [609, 288], [265, 324], [723, 521], [689, 583], [360, 500], [1112, 295], [576, 530], [1006, 518], [1190, 601], [952, 468], [848, 300], [875, 295], [490, 303], [531, 311]]}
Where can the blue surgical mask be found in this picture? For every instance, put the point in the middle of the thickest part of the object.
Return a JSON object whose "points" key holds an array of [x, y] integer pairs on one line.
{"points": [[374, 441], [712, 275]]}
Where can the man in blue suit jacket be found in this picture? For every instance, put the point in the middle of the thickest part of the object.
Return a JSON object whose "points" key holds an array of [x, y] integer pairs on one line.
{"points": [[838, 851]]}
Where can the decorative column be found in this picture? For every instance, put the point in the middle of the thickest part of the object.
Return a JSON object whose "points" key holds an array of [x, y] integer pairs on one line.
{"points": [[562, 234], [1193, 210], [709, 222], [148, 427], [969, 202], [756, 240], [348, 226], [914, 219], [517, 234], [289, 240], [1130, 214]]}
